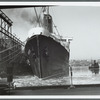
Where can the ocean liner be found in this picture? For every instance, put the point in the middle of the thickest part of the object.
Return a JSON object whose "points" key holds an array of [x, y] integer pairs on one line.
{"points": [[47, 52]]}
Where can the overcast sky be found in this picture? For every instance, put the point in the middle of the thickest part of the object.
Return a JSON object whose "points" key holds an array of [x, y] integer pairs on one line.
{"points": [[80, 22]]}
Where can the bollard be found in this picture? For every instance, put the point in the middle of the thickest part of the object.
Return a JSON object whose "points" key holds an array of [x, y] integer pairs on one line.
{"points": [[71, 73]]}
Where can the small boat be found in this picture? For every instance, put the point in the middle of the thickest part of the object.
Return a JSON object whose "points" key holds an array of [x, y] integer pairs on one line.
{"points": [[94, 67]]}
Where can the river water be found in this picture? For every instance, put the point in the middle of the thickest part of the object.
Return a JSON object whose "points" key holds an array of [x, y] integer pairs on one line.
{"points": [[84, 75], [80, 75]]}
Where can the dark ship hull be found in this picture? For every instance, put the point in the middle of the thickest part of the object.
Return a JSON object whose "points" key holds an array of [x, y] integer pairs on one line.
{"points": [[47, 57]]}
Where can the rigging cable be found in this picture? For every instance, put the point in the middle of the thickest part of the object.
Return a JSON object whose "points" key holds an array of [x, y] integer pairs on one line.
{"points": [[56, 28], [54, 24], [9, 55], [58, 32], [14, 58], [10, 58], [9, 48], [40, 16], [37, 16]]}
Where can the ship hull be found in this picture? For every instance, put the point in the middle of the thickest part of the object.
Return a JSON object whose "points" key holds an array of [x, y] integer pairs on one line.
{"points": [[47, 57]]}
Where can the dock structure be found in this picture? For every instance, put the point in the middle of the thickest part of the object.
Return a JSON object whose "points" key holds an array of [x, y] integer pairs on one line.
{"points": [[10, 45]]}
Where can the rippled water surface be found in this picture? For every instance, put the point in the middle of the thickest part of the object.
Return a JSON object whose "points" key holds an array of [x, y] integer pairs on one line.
{"points": [[81, 75], [84, 75]]}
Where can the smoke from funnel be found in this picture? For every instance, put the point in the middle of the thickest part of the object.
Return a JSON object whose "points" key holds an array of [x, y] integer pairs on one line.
{"points": [[23, 20], [26, 14], [29, 16]]}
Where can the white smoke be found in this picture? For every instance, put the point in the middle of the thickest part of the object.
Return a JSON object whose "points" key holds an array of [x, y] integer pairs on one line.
{"points": [[26, 14], [23, 20]]}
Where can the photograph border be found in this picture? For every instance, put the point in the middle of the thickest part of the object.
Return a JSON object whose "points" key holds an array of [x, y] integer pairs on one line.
{"points": [[65, 3]]}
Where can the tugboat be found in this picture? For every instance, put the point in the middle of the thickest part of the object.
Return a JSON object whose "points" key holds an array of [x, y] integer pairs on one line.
{"points": [[47, 52], [94, 67]]}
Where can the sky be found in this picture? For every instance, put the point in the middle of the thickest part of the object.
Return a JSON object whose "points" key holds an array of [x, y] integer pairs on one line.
{"points": [[82, 23]]}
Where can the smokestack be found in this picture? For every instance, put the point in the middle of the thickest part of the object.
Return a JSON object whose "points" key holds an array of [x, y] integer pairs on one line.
{"points": [[48, 22]]}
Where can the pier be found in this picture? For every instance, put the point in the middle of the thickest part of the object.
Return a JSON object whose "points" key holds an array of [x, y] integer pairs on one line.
{"points": [[10, 49], [57, 90]]}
